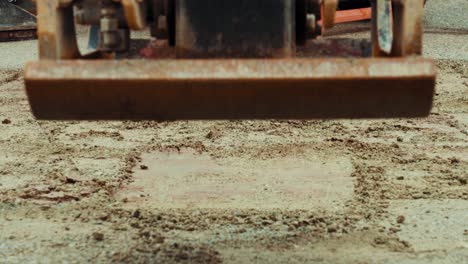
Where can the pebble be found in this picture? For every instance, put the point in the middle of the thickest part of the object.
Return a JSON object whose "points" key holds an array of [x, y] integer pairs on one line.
{"points": [[136, 213], [295, 224], [209, 135], [6, 121], [98, 236], [332, 229], [380, 240], [241, 230], [400, 219], [103, 217]]}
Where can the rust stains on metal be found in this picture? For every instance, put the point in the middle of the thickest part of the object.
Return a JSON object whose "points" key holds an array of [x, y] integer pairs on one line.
{"points": [[407, 28], [56, 31], [231, 89]]}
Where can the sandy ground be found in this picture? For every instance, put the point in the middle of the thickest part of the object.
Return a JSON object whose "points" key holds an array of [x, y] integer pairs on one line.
{"points": [[361, 191]]}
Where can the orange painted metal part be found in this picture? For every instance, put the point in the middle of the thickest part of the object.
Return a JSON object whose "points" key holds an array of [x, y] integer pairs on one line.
{"points": [[346, 16]]}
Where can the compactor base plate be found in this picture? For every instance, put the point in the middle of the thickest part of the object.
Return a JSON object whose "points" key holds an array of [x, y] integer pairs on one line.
{"points": [[231, 89]]}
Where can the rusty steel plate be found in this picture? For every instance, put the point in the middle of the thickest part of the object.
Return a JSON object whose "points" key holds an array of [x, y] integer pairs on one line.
{"points": [[231, 89]]}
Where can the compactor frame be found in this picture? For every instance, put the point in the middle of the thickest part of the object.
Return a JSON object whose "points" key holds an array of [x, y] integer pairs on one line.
{"points": [[228, 59]]}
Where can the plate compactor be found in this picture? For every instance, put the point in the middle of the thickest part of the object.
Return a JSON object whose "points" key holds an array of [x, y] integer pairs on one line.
{"points": [[229, 59]]}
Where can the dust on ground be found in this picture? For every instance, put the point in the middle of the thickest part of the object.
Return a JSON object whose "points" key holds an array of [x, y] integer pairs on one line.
{"points": [[340, 191]]}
